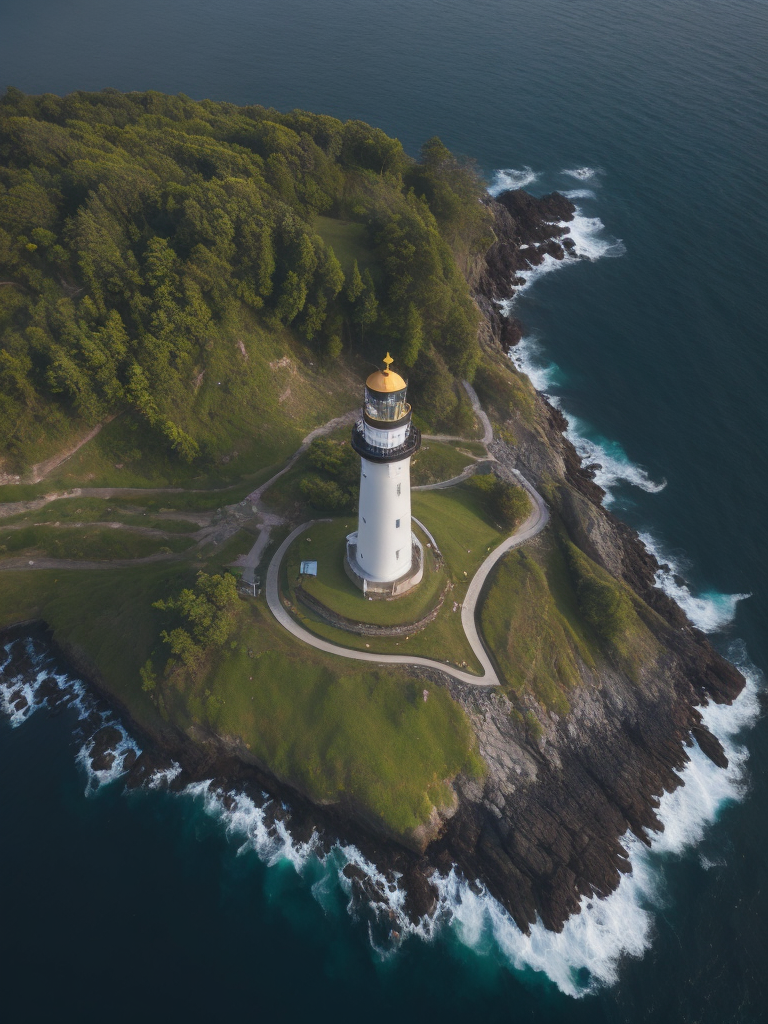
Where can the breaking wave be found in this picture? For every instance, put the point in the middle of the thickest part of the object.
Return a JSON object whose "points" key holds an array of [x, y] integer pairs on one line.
{"points": [[612, 464], [42, 685], [590, 243], [528, 356], [710, 611], [589, 950], [509, 178], [580, 193], [587, 954], [615, 467], [581, 173]]}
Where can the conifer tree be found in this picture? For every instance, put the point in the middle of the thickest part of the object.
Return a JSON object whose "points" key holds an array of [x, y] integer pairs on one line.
{"points": [[413, 336], [355, 285]]}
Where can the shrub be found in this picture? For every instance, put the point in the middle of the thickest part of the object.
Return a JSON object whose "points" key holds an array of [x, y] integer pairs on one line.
{"points": [[326, 495], [207, 614], [506, 503], [602, 601]]}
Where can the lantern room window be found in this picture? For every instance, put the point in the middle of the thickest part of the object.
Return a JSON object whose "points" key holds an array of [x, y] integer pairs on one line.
{"points": [[387, 408]]}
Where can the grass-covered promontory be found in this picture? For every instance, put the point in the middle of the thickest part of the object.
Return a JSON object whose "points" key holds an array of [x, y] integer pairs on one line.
{"points": [[192, 272], [338, 732], [550, 611], [207, 284]]}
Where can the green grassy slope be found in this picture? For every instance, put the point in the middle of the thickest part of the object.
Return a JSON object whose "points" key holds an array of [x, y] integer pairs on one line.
{"points": [[549, 612]]}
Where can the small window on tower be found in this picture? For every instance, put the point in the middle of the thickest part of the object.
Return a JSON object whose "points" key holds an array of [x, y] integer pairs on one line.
{"points": [[397, 524], [363, 518], [397, 554], [399, 488]]}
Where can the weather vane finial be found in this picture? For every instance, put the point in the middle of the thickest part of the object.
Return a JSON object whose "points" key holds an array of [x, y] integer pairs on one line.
{"points": [[388, 360]]}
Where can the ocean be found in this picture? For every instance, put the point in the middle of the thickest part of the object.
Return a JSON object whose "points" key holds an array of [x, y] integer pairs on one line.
{"points": [[653, 118]]}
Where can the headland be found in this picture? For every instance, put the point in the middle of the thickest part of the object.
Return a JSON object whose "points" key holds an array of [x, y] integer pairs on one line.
{"points": [[208, 353]]}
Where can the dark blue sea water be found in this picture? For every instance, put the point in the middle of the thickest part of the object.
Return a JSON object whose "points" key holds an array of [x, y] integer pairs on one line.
{"points": [[126, 907]]}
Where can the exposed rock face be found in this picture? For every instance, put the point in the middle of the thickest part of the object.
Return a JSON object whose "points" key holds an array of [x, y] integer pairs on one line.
{"points": [[543, 828], [527, 229]]}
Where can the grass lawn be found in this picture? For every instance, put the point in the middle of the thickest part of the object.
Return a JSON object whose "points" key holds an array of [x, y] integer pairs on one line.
{"points": [[473, 447], [285, 494], [106, 615], [465, 534], [458, 521], [126, 454], [349, 240], [436, 461], [338, 731], [442, 640], [166, 500], [221, 555], [326, 543], [533, 619], [86, 542], [198, 501]]}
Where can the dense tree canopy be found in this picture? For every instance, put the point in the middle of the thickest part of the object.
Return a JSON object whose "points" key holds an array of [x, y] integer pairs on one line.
{"points": [[133, 225]]}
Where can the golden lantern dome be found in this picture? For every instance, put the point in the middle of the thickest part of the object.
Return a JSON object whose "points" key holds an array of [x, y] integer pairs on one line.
{"points": [[385, 381]]}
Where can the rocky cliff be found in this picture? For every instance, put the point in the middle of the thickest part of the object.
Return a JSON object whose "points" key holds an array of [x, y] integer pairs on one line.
{"points": [[543, 828]]}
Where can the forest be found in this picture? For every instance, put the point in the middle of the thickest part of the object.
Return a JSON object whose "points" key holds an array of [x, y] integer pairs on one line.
{"points": [[140, 233]]}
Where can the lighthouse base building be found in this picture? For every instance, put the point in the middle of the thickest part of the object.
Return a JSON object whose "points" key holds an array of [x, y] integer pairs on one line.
{"points": [[384, 558]]}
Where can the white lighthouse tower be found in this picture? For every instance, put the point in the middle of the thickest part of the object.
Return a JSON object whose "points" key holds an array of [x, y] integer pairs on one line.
{"points": [[384, 558]]}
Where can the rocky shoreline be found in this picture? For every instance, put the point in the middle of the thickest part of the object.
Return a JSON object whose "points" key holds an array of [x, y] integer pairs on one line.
{"points": [[543, 828]]}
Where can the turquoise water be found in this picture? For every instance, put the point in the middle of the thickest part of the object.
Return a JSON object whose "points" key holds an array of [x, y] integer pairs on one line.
{"points": [[655, 348]]}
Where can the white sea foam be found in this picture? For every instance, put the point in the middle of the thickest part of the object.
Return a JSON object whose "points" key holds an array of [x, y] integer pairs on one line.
{"points": [[590, 244], [707, 863], [509, 178], [247, 822], [162, 777], [710, 611], [615, 466], [528, 357], [104, 776], [588, 951], [580, 193], [582, 173], [75, 695], [13, 687]]}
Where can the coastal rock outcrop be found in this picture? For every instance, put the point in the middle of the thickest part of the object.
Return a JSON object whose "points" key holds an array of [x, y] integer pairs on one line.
{"points": [[543, 828]]}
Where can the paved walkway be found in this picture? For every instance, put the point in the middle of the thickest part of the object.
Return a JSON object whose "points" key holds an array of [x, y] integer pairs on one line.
{"points": [[465, 474], [534, 524], [479, 412]]}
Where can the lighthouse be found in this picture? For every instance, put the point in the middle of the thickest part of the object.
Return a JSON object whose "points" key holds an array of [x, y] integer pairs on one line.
{"points": [[384, 558]]}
